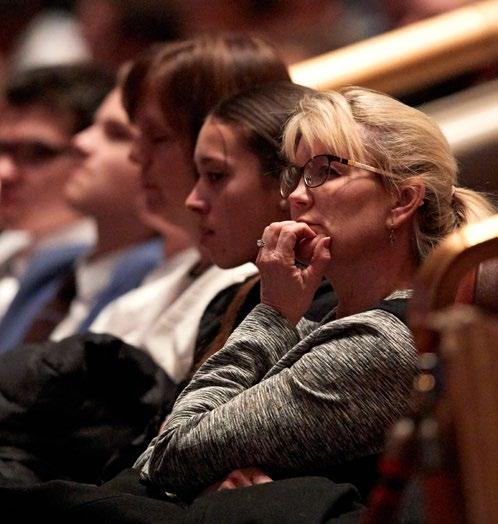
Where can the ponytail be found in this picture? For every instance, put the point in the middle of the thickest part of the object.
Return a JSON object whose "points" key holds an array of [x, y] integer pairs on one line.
{"points": [[470, 206]]}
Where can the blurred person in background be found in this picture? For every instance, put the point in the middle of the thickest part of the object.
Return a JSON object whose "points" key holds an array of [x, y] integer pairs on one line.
{"points": [[42, 233], [108, 32], [104, 185]]}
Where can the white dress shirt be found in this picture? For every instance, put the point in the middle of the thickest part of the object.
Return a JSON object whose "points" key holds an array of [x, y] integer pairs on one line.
{"points": [[13, 245], [92, 276], [17, 249], [162, 316]]}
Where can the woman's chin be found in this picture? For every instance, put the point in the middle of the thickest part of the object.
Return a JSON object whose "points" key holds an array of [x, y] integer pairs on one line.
{"points": [[226, 262], [153, 218]]}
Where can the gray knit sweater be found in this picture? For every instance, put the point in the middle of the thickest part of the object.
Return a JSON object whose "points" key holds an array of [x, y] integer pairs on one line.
{"points": [[286, 399]]}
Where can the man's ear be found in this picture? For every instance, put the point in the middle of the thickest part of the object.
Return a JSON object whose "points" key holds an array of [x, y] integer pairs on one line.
{"points": [[408, 198]]}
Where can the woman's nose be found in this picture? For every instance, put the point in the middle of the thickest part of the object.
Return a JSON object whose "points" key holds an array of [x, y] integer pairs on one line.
{"points": [[300, 197], [195, 202]]}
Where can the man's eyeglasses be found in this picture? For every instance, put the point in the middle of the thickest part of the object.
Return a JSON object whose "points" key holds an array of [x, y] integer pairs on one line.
{"points": [[317, 170], [31, 152]]}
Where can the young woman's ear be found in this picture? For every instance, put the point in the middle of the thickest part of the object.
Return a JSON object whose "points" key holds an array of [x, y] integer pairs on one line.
{"points": [[409, 197]]}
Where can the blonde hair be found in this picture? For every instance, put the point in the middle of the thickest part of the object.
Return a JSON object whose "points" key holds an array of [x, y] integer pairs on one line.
{"points": [[373, 128]]}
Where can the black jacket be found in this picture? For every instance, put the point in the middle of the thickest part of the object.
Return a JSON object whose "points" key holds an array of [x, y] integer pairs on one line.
{"points": [[77, 408]]}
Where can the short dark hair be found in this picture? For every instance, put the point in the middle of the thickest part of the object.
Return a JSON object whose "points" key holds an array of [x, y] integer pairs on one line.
{"points": [[74, 91], [192, 76], [261, 113]]}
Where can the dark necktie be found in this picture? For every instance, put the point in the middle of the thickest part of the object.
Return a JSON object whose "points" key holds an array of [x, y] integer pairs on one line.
{"points": [[53, 312]]}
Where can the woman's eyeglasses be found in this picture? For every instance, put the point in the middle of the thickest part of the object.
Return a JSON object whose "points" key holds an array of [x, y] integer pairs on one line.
{"points": [[317, 170]]}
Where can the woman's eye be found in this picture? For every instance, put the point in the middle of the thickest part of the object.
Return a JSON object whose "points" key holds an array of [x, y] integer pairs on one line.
{"points": [[214, 176], [117, 132], [330, 170], [325, 171], [333, 172]]}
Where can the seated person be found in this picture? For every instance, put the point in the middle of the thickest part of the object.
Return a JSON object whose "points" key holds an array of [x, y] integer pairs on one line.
{"points": [[104, 185], [371, 188], [238, 160], [42, 233]]}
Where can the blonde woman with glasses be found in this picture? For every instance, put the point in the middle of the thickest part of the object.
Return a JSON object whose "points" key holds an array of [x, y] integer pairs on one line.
{"points": [[372, 188]]}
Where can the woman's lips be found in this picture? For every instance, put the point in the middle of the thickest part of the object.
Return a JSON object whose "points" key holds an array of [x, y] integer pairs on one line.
{"points": [[205, 233]]}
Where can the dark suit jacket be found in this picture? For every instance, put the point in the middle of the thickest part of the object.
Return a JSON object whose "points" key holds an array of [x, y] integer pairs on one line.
{"points": [[47, 274], [42, 280], [133, 267]]}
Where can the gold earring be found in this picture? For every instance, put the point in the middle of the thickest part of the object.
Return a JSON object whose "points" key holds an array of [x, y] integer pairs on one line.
{"points": [[392, 236]]}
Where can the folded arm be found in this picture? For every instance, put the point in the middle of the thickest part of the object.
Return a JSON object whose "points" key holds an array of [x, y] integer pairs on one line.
{"points": [[331, 404]]}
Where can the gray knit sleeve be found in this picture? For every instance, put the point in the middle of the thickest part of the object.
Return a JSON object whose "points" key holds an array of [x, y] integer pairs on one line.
{"points": [[328, 400], [252, 349]]}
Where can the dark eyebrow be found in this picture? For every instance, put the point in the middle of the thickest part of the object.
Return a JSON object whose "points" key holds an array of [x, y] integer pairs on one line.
{"points": [[210, 160]]}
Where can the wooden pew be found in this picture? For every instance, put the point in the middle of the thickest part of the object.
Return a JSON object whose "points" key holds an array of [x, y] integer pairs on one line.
{"points": [[449, 445]]}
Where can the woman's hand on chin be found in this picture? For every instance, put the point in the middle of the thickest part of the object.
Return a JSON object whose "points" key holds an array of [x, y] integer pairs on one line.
{"points": [[285, 286]]}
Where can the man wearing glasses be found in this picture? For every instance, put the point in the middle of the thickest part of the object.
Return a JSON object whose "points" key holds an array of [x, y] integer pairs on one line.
{"points": [[43, 108]]}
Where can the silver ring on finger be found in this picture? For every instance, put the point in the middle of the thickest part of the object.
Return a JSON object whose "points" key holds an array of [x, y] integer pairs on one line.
{"points": [[260, 243]]}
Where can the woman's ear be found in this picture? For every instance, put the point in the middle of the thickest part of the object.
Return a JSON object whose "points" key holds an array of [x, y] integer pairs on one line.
{"points": [[408, 198]]}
